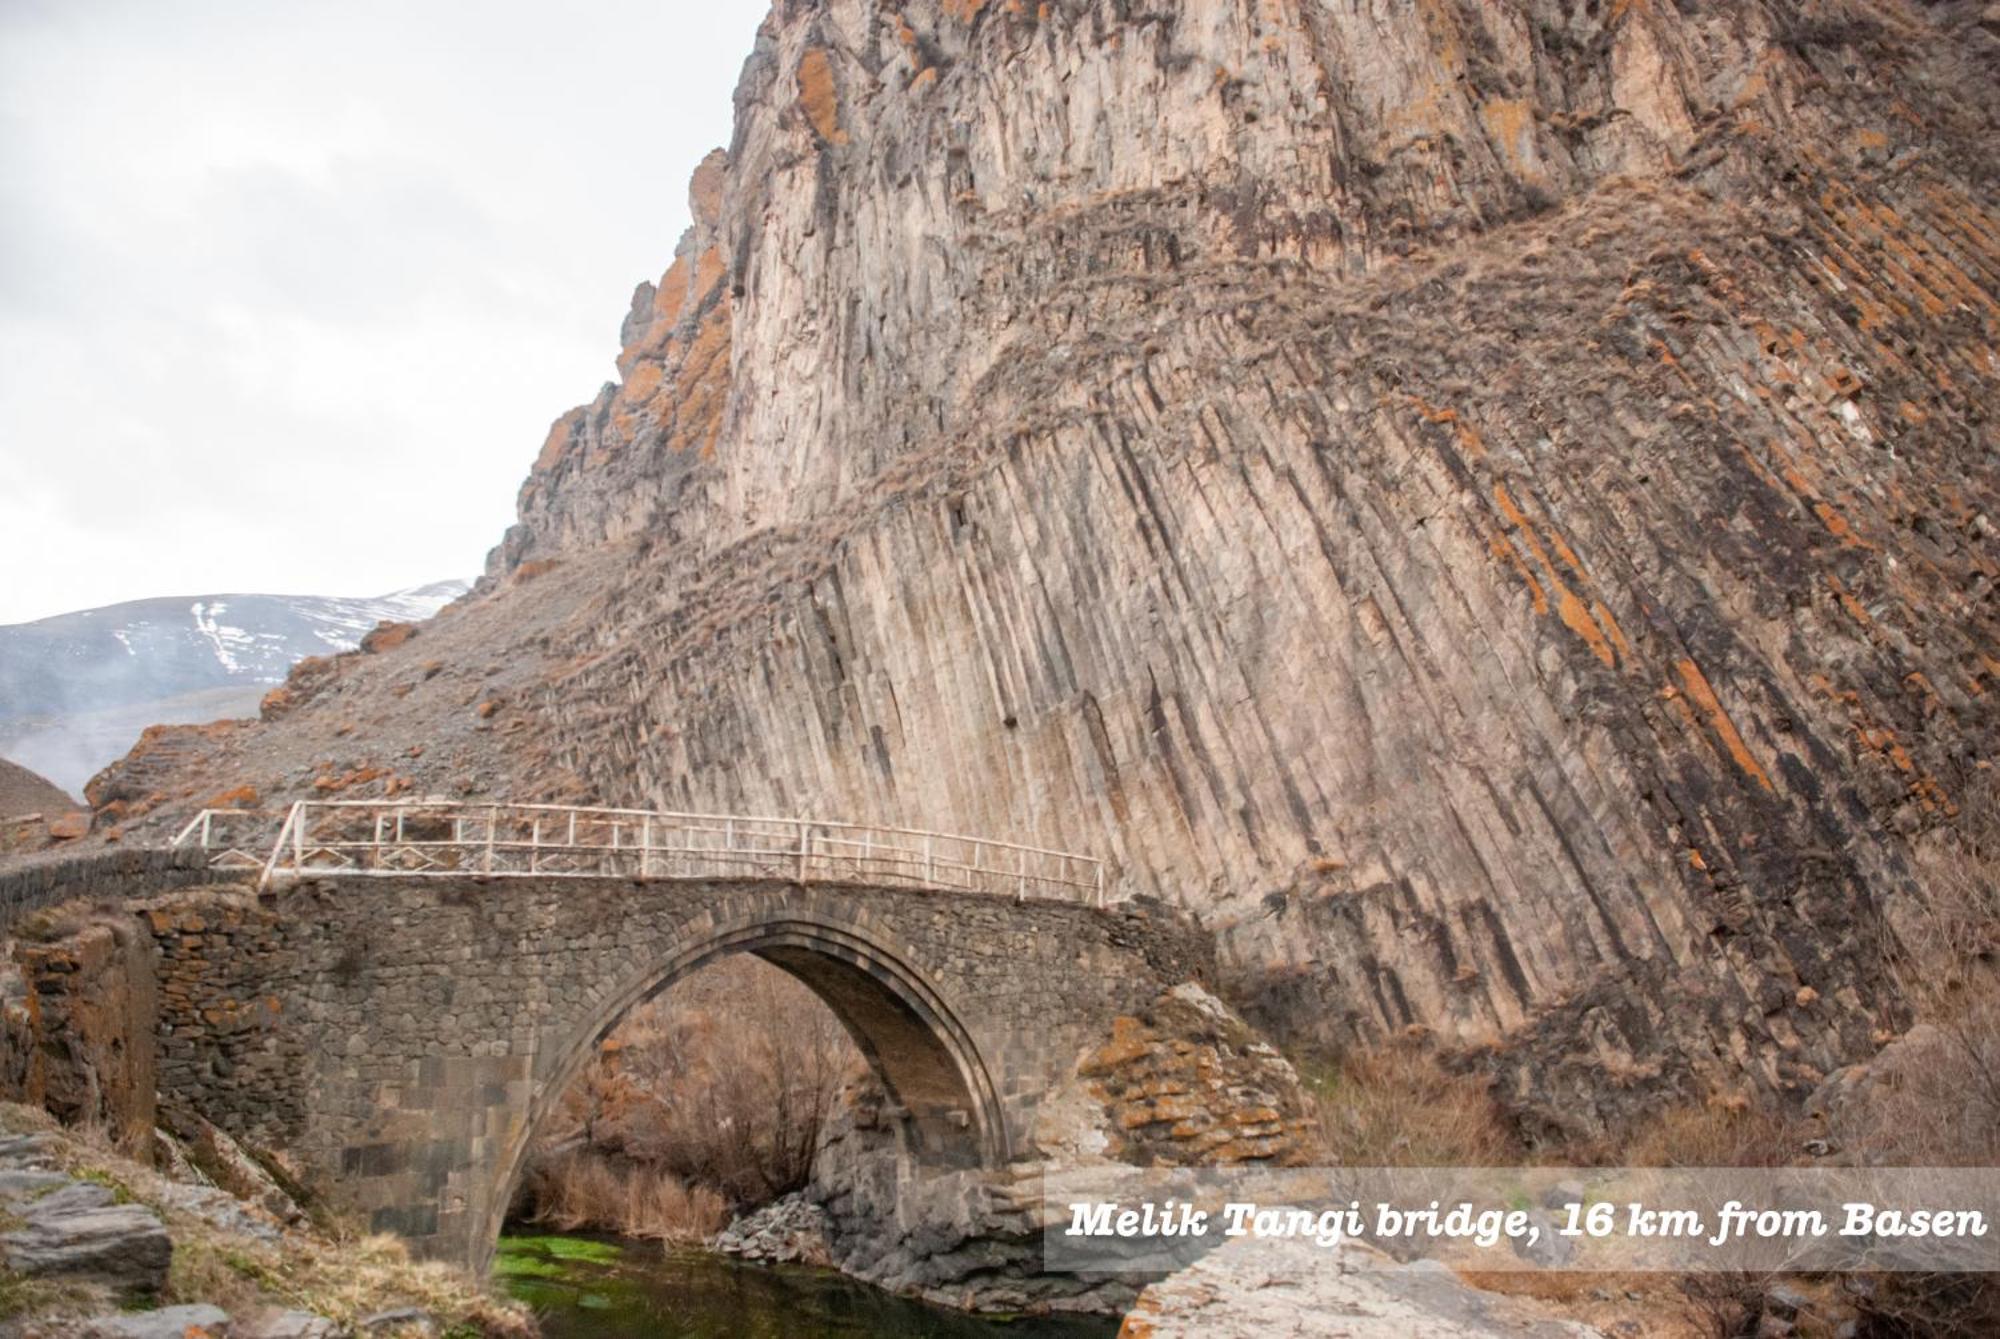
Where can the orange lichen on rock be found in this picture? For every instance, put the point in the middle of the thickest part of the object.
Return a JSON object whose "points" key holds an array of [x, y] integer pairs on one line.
{"points": [[70, 827], [1475, 446], [705, 187], [704, 385], [333, 784], [1190, 1085], [1510, 126], [818, 96], [1570, 608], [387, 636], [965, 11], [1698, 688], [672, 293], [557, 441], [238, 797], [642, 385]]}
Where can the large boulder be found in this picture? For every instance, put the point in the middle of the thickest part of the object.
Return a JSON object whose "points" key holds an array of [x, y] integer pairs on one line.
{"points": [[125, 1247], [1252, 1289], [77, 1230]]}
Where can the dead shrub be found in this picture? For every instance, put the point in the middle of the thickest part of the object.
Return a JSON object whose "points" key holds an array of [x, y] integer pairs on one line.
{"points": [[1948, 933], [1927, 1306], [718, 1090], [1721, 1132]]}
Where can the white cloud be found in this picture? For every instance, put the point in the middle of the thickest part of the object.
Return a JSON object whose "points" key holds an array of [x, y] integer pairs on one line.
{"points": [[290, 293]]}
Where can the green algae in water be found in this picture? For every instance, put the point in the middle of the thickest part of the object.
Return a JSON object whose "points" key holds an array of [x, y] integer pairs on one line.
{"points": [[563, 1248], [598, 1288]]}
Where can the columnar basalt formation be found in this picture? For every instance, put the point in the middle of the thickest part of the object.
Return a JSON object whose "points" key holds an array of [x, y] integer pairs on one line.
{"points": [[1491, 505]]}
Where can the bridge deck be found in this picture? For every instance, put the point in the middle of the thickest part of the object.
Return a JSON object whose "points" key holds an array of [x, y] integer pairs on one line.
{"points": [[421, 837]]}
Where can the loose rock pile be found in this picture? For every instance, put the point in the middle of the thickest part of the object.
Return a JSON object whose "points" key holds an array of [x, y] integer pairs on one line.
{"points": [[788, 1231]]}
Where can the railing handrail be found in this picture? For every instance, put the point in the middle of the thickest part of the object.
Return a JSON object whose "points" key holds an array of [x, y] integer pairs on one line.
{"points": [[810, 845], [674, 814]]}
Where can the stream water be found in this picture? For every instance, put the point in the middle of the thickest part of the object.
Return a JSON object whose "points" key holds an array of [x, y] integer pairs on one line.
{"points": [[592, 1287]]}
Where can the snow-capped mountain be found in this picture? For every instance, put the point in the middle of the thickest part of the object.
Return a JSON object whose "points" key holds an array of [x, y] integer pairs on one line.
{"points": [[76, 689]]}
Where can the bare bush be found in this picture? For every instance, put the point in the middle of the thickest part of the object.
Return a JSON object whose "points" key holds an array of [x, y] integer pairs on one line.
{"points": [[1948, 932], [719, 1089]]}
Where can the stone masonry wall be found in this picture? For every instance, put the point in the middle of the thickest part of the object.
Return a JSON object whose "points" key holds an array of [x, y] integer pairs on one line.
{"points": [[108, 875], [224, 1050], [403, 1037]]}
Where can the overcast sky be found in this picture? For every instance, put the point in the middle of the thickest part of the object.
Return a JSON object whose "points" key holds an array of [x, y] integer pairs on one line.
{"points": [[290, 293]]}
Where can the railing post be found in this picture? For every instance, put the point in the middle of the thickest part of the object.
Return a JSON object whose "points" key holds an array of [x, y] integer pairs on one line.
{"points": [[299, 819], [278, 847], [492, 831], [1021, 889], [646, 846], [207, 818], [805, 837], [535, 847]]}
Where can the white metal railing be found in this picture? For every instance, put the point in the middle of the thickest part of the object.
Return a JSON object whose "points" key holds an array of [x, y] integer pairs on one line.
{"points": [[422, 837], [233, 838]]}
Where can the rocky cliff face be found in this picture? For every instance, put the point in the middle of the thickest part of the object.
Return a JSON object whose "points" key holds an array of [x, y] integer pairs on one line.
{"points": [[1491, 504]]}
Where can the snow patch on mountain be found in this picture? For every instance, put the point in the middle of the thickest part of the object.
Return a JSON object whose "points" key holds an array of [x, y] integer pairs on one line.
{"points": [[76, 688]]}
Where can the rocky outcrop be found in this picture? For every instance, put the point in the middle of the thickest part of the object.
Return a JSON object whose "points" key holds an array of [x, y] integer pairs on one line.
{"points": [[90, 1237], [74, 1230], [1492, 505], [1182, 1084], [91, 1007]]}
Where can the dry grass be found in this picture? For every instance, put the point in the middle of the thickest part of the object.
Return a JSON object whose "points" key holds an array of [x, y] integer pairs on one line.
{"points": [[581, 1188], [1399, 1107], [344, 1281], [1722, 1132]]}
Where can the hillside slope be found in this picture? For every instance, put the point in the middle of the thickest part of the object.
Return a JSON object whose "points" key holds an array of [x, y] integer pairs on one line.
{"points": [[77, 689], [23, 793], [1491, 504]]}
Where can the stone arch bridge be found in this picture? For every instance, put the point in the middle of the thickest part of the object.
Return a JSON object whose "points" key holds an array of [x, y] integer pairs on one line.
{"points": [[401, 1010]]}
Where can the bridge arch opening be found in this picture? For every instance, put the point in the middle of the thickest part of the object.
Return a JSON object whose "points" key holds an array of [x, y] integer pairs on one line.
{"points": [[944, 1108]]}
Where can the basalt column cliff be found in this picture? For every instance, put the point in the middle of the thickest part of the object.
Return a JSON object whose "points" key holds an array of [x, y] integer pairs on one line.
{"points": [[1490, 503]]}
